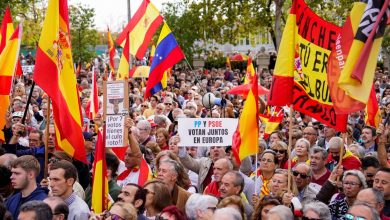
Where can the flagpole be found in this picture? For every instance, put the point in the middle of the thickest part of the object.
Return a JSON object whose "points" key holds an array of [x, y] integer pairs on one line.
{"points": [[289, 148], [47, 138], [342, 153], [257, 151]]}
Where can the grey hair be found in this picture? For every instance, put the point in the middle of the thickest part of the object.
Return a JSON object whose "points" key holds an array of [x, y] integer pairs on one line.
{"points": [[282, 211], [41, 209], [304, 164], [306, 142], [228, 211], [360, 150], [238, 179], [375, 214], [318, 207], [145, 123], [174, 165], [198, 202], [321, 150], [358, 174], [379, 197], [335, 143], [158, 119], [227, 162]]}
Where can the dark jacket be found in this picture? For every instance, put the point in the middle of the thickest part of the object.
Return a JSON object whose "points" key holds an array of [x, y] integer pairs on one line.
{"points": [[14, 202]]}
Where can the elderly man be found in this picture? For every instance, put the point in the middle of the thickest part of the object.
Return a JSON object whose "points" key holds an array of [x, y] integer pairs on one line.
{"points": [[203, 166], [328, 134], [58, 207], [310, 134], [35, 210], [168, 172], [221, 167], [349, 161], [361, 210], [144, 128], [373, 198], [318, 159]]}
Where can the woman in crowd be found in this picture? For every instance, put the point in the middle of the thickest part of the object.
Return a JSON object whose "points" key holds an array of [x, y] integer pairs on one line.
{"points": [[268, 164], [353, 182], [302, 148], [233, 202], [263, 207], [280, 148], [121, 211], [275, 136], [157, 198], [316, 210], [162, 138], [279, 183], [201, 207], [171, 213]]}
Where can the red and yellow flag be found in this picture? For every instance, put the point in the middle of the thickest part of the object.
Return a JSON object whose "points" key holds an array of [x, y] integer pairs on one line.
{"points": [[54, 73], [228, 65], [250, 71], [124, 64], [7, 29], [111, 48], [271, 120], [8, 61], [300, 75], [100, 180], [141, 28], [373, 115], [93, 99], [246, 137]]}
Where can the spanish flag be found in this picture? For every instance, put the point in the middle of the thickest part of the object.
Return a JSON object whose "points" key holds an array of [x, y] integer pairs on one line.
{"points": [[124, 64], [54, 73], [373, 115], [250, 71], [271, 121], [362, 36], [93, 99], [141, 29], [7, 29], [228, 65], [8, 61], [246, 137], [100, 180], [111, 48]]}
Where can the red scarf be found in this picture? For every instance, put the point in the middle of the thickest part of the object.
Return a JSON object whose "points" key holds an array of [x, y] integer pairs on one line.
{"points": [[212, 189]]}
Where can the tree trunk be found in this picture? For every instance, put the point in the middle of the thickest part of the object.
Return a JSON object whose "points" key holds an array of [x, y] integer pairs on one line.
{"points": [[278, 17]]}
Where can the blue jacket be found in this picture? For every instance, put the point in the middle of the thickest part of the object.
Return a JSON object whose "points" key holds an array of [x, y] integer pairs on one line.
{"points": [[14, 202]]}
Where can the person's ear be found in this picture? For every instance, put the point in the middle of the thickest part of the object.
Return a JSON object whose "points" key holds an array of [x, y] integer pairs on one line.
{"points": [[70, 181]]}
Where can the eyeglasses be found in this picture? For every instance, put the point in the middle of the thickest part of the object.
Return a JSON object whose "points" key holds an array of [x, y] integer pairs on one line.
{"points": [[279, 151], [308, 218], [212, 208], [144, 106], [113, 216], [303, 176], [352, 217], [353, 184], [168, 103]]}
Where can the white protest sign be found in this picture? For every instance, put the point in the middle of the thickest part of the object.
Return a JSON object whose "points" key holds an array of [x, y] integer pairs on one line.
{"points": [[116, 105], [206, 132], [28, 69]]}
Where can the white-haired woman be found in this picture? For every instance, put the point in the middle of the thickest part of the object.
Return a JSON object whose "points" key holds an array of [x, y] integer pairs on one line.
{"points": [[316, 210], [201, 207]]}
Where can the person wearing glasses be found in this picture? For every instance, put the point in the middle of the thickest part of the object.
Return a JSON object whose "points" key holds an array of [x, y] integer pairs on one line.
{"points": [[157, 198], [268, 164], [311, 134], [280, 148], [58, 207], [361, 211], [201, 207], [316, 211], [373, 198]]}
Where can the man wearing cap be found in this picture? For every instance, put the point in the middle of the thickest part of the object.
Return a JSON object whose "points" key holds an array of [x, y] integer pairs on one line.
{"points": [[89, 145]]}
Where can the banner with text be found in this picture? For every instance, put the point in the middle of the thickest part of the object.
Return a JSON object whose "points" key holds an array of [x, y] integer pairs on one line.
{"points": [[116, 105], [206, 132]]}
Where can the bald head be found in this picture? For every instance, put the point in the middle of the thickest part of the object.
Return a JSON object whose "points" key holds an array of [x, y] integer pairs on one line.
{"points": [[6, 159]]}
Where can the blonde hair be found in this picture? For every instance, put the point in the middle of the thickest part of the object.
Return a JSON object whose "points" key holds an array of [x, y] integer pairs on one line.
{"points": [[129, 212]]}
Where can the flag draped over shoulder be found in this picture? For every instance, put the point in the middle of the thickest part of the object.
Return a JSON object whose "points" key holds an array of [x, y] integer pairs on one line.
{"points": [[300, 75], [353, 60], [246, 137], [8, 61], [124, 64], [167, 54], [54, 73], [111, 48], [100, 179], [250, 71], [141, 28]]}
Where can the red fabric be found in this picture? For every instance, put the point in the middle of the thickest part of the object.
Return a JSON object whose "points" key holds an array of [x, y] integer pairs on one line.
{"points": [[349, 163], [212, 189], [321, 181]]}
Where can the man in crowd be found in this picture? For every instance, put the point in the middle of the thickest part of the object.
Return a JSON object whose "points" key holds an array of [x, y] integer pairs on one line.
{"points": [[168, 172], [310, 134], [63, 175], [370, 166], [35, 210], [58, 207], [382, 183], [221, 167], [349, 161], [134, 194], [318, 159], [373, 197], [328, 134], [24, 170], [368, 137]]}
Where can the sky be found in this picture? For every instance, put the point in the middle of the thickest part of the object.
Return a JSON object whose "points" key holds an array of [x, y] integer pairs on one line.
{"points": [[113, 12]]}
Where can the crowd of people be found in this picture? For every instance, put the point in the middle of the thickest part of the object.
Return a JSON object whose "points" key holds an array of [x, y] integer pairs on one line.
{"points": [[157, 179]]}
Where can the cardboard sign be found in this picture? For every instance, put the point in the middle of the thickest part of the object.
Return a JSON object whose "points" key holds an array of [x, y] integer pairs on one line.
{"points": [[28, 69], [206, 132], [115, 106]]}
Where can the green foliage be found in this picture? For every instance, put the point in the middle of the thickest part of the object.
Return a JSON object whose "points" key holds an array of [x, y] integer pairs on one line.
{"points": [[83, 32]]}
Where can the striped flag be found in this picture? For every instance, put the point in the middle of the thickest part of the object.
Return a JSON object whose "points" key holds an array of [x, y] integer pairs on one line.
{"points": [[373, 115], [54, 73], [271, 120], [93, 99], [124, 64], [100, 180], [250, 71], [8, 61], [141, 29], [246, 137], [168, 53]]}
